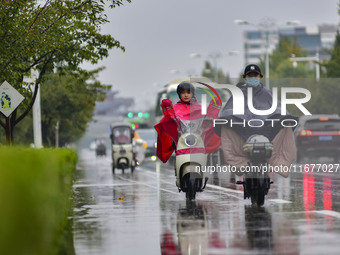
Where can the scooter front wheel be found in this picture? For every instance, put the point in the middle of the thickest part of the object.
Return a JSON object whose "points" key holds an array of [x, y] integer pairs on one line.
{"points": [[258, 194], [191, 191]]}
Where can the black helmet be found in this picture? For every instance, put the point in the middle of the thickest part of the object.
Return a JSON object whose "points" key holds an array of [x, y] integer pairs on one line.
{"points": [[185, 85], [252, 69]]}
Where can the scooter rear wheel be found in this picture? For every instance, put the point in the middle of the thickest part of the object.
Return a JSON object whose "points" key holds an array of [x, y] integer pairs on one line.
{"points": [[133, 165], [191, 191], [257, 196]]}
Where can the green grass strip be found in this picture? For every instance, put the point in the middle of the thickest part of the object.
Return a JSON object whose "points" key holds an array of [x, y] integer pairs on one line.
{"points": [[35, 199]]}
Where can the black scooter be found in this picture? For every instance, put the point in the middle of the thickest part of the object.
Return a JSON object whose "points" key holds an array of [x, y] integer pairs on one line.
{"points": [[256, 181]]}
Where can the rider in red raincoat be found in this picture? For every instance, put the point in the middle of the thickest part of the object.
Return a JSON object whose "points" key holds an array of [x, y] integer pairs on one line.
{"points": [[187, 108]]}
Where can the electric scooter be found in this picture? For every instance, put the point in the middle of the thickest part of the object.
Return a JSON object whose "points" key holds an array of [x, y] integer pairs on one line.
{"points": [[256, 181], [190, 157]]}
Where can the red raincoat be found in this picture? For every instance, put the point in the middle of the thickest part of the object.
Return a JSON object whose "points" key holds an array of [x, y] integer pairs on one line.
{"points": [[167, 128]]}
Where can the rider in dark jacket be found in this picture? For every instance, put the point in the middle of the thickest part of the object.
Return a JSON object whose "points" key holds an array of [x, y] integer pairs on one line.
{"points": [[233, 138]]}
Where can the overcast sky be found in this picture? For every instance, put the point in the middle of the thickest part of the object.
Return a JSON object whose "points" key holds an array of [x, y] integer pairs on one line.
{"points": [[159, 35]]}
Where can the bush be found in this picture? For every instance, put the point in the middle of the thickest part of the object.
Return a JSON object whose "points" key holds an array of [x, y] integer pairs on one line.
{"points": [[35, 199]]}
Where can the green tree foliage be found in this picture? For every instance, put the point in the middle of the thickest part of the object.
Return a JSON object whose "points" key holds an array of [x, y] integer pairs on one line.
{"points": [[279, 64], [328, 89], [209, 72], [284, 74], [48, 34], [69, 101], [333, 65]]}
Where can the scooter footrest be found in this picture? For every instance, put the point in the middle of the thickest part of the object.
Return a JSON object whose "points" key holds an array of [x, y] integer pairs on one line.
{"points": [[240, 182], [205, 183]]}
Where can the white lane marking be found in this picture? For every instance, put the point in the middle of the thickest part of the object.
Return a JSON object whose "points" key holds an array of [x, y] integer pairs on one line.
{"points": [[323, 212], [153, 175], [100, 185], [212, 186], [329, 213], [280, 201], [227, 193], [150, 186]]}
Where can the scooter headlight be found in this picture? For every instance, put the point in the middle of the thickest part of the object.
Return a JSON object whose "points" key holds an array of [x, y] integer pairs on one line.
{"points": [[190, 140]]}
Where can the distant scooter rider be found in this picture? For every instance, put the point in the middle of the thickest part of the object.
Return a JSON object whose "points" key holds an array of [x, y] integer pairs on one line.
{"points": [[233, 137]]}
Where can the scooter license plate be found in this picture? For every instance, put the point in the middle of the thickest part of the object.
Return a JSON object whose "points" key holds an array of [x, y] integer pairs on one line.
{"points": [[325, 138]]}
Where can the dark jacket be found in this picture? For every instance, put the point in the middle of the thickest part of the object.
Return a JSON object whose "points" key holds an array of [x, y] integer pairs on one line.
{"points": [[262, 100]]}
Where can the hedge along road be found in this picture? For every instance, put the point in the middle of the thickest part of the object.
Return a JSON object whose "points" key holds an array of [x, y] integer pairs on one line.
{"points": [[35, 197], [144, 213]]}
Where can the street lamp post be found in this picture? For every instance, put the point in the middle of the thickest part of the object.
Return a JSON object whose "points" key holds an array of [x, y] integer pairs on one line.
{"points": [[267, 59], [316, 58], [214, 55], [189, 73], [266, 28]]}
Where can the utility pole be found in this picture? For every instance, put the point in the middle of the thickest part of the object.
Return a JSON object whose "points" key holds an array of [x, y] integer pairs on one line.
{"points": [[36, 115], [266, 28], [57, 135], [315, 59]]}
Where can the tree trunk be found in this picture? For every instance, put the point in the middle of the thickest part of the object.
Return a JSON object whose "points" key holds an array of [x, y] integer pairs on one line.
{"points": [[8, 131]]}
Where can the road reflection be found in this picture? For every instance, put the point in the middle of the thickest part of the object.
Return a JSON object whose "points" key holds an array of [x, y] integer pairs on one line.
{"points": [[192, 231], [258, 223], [300, 215], [194, 235], [317, 189], [256, 233]]}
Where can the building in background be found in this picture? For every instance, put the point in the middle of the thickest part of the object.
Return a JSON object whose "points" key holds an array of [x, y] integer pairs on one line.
{"points": [[114, 105], [313, 39]]}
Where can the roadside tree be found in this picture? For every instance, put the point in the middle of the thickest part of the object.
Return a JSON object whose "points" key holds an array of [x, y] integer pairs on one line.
{"points": [[49, 35]]}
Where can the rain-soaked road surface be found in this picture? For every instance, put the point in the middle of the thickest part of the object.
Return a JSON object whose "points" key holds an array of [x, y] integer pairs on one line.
{"points": [[143, 213]]}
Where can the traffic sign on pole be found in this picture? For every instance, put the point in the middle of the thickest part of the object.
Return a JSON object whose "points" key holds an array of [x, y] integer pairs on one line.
{"points": [[10, 98]]}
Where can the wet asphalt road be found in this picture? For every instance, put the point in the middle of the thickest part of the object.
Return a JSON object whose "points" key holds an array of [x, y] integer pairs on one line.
{"points": [[143, 213]]}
